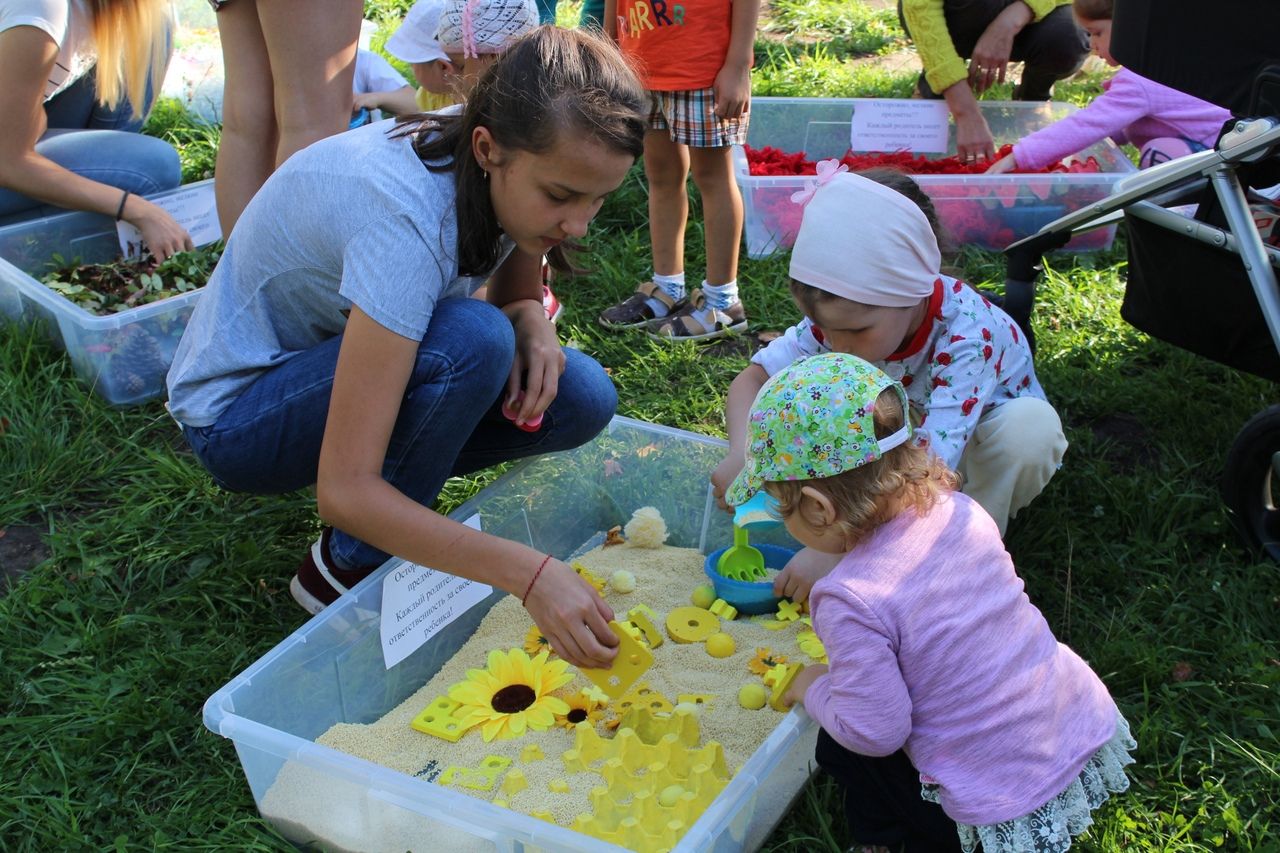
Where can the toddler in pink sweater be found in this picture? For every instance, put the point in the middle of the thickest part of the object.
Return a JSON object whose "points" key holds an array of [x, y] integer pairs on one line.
{"points": [[1163, 123], [950, 714]]}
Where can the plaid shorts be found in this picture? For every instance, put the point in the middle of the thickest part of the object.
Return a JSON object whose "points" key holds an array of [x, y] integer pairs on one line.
{"points": [[690, 119]]}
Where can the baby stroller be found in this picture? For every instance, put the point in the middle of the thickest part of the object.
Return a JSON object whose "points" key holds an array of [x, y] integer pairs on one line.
{"points": [[1232, 58]]}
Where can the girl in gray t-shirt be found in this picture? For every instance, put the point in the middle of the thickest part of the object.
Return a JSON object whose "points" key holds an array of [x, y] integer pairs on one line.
{"points": [[336, 342]]}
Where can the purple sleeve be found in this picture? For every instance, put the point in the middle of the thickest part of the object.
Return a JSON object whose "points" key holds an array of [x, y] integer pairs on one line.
{"points": [[862, 701], [1125, 102]]}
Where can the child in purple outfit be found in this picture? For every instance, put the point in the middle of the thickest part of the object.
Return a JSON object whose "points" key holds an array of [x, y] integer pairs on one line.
{"points": [[951, 716], [1163, 123]]}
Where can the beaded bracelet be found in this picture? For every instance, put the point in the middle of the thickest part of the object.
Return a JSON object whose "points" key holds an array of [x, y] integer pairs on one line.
{"points": [[534, 579], [120, 210]]}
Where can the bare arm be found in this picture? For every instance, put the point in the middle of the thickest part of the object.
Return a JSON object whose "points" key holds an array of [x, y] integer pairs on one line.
{"points": [[737, 408], [402, 101], [26, 58], [516, 288], [374, 365], [733, 82], [611, 19]]}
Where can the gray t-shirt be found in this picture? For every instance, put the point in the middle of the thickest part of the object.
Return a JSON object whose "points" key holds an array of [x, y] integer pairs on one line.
{"points": [[353, 219]]}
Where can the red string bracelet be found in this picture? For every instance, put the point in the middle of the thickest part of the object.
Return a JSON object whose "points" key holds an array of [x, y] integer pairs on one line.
{"points": [[534, 579]]}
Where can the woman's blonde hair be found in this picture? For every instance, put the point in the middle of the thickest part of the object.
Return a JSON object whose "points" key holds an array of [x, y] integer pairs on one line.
{"points": [[907, 477], [132, 40]]}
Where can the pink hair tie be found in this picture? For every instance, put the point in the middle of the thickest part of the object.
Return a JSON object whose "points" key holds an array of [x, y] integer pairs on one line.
{"points": [[468, 30], [827, 169]]}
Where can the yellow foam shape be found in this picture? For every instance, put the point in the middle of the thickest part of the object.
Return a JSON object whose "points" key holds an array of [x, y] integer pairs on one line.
{"points": [[514, 783], [633, 661], [643, 696], [558, 786], [641, 620], [706, 700], [532, 752], [779, 678], [770, 623], [482, 778], [691, 624], [438, 719], [788, 611], [724, 610]]}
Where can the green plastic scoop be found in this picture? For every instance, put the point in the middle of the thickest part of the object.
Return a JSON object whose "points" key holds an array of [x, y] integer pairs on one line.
{"points": [[741, 562]]}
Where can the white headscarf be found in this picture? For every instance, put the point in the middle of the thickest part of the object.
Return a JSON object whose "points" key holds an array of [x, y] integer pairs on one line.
{"points": [[485, 26], [865, 242]]}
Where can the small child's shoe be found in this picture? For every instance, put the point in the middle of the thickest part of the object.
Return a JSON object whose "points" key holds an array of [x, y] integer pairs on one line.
{"points": [[697, 321], [636, 310], [318, 583], [550, 304]]}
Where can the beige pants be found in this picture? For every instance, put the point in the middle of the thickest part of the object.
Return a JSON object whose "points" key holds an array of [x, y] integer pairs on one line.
{"points": [[1014, 452]]}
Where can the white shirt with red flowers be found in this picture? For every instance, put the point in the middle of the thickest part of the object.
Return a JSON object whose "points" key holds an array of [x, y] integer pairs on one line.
{"points": [[965, 359]]}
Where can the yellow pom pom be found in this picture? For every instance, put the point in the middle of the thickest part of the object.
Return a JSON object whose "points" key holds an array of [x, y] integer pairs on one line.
{"points": [[623, 581]]}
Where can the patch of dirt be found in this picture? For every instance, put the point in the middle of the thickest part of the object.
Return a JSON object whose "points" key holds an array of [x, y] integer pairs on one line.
{"points": [[1126, 443], [737, 345], [21, 549]]}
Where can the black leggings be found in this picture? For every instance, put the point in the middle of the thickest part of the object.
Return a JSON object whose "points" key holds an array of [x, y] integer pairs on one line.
{"points": [[882, 801]]}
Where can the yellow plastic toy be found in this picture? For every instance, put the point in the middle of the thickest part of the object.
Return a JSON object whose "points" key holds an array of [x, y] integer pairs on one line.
{"points": [[691, 624], [633, 661], [438, 719], [482, 778], [779, 679], [641, 620], [724, 610]]}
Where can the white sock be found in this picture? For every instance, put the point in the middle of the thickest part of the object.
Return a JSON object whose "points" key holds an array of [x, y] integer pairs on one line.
{"points": [[721, 296], [672, 285]]}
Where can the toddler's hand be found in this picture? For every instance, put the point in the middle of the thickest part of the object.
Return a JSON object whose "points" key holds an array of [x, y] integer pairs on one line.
{"points": [[365, 101], [1004, 164], [805, 677], [803, 570], [722, 477]]}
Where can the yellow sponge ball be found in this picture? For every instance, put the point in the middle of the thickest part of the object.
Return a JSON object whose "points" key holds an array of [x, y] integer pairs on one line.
{"points": [[703, 596], [720, 645], [752, 696]]}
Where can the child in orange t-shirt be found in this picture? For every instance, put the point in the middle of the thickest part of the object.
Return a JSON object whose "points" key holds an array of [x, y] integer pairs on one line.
{"points": [[696, 62]]}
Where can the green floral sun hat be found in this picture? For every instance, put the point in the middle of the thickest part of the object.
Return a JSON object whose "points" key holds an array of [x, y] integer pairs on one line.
{"points": [[814, 418]]}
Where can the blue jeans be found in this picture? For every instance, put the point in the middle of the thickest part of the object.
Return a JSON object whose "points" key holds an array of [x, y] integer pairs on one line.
{"points": [[450, 422], [101, 143]]}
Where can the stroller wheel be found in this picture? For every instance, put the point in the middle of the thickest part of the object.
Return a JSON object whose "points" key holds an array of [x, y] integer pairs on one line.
{"points": [[1251, 482]]}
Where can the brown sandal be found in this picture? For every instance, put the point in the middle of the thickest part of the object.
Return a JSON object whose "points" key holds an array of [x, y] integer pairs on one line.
{"points": [[688, 323], [634, 311]]}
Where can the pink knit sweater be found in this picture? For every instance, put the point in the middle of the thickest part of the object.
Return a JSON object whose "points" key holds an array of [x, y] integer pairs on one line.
{"points": [[1132, 109], [935, 649]]}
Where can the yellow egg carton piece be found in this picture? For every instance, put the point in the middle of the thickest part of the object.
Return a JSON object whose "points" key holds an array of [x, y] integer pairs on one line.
{"points": [[643, 696], [633, 661], [703, 700], [482, 778], [438, 719], [671, 750]]}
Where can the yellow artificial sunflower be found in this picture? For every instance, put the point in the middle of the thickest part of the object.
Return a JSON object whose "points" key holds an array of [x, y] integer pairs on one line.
{"points": [[535, 642], [582, 706], [810, 644], [586, 575], [764, 661], [511, 694]]}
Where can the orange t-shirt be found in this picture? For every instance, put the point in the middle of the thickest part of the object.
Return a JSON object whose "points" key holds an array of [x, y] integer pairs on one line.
{"points": [[676, 46]]}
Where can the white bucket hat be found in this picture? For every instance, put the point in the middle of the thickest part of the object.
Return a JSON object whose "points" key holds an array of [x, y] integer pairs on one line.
{"points": [[415, 40]]}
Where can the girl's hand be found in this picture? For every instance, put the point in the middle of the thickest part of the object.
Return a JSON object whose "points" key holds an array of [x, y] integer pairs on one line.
{"points": [[161, 232], [805, 677], [732, 89], [722, 477], [538, 363], [572, 616], [802, 571], [1004, 164]]}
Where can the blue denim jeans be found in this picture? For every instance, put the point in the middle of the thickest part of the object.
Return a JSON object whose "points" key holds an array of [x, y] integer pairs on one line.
{"points": [[101, 143], [450, 421]]}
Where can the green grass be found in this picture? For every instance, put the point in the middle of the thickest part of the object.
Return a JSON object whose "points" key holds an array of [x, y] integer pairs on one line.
{"points": [[158, 587]]}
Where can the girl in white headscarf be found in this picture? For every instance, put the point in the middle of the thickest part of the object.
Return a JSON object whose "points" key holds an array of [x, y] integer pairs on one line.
{"points": [[866, 271]]}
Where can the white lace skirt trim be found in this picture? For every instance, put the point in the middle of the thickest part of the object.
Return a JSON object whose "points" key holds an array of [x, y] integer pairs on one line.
{"points": [[1049, 829]]}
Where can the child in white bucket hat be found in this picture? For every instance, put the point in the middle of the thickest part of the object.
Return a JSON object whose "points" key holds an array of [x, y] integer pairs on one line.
{"points": [[415, 43], [950, 715], [866, 272]]}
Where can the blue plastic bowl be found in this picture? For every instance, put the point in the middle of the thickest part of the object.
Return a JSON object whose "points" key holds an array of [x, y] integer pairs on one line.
{"points": [[750, 597]]}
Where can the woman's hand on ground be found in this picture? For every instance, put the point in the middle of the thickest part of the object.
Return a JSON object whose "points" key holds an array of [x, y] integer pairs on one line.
{"points": [[160, 231], [722, 477], [802, 571], [539, 360], [572, 616]]}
